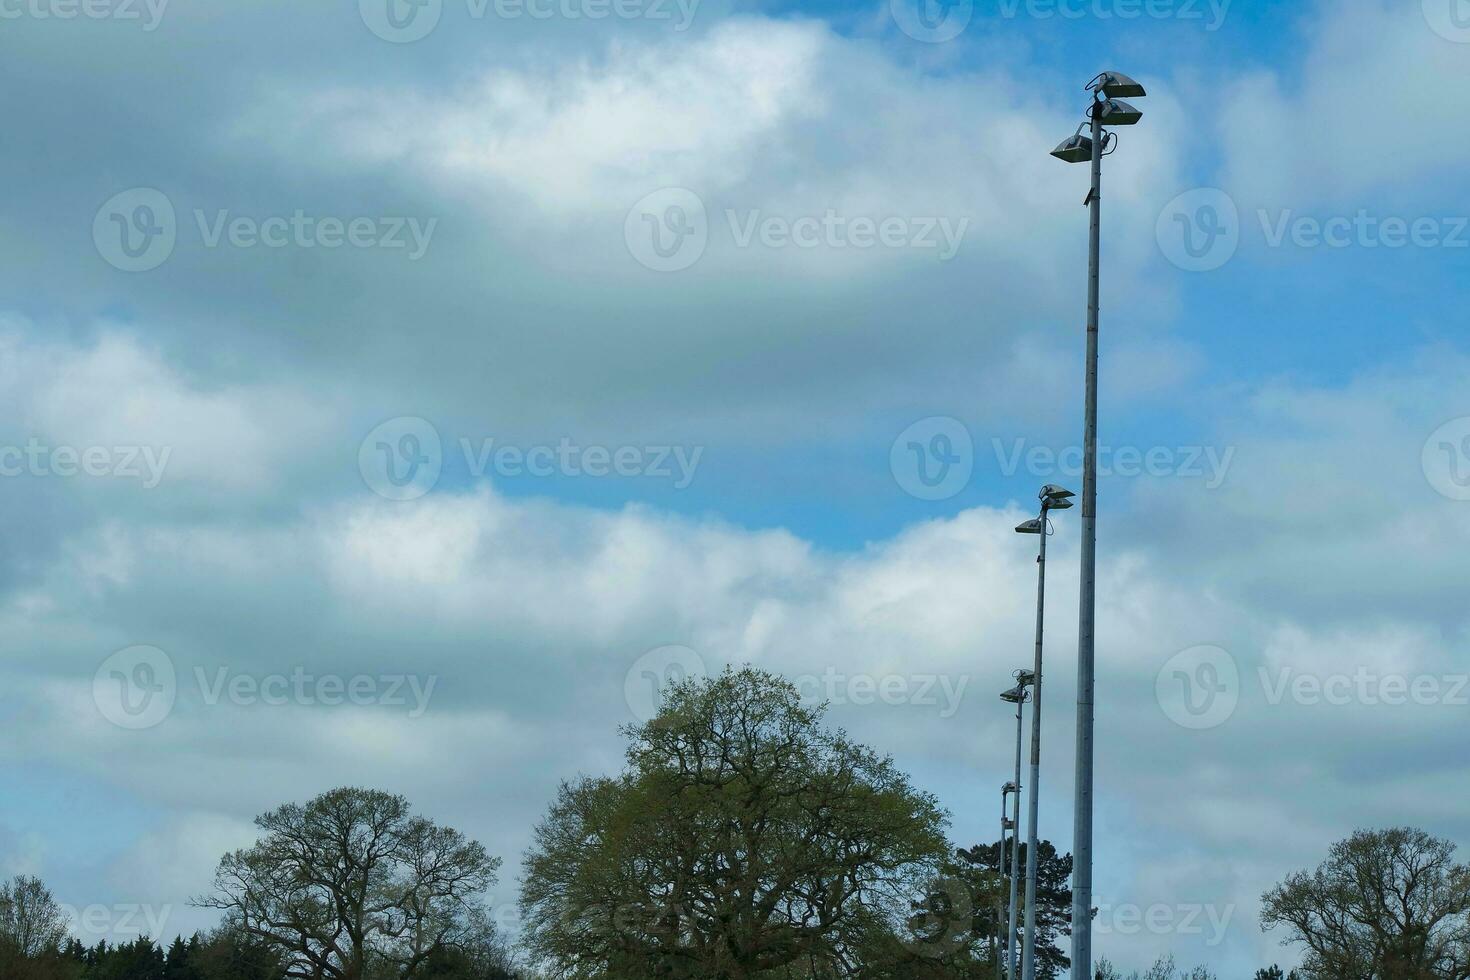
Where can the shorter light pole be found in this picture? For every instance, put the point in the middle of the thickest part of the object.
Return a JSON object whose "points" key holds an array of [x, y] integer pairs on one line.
{"points": [[1052, 498], [1018, 696], [1006, 824]]}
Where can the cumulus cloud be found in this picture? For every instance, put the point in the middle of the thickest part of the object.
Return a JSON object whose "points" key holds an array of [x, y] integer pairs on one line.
{"points": [[1374, 105]]}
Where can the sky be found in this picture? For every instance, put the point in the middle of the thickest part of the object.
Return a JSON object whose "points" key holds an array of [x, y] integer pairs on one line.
{"points": [[395, 395]]}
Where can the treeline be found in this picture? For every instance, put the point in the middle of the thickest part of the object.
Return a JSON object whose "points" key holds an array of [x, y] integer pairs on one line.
{"points": [[743, 840], [225, 954]]}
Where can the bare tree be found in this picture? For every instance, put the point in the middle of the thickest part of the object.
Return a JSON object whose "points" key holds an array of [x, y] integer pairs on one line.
{"points": [[1385, 905], [352, 885], [31, 923]]}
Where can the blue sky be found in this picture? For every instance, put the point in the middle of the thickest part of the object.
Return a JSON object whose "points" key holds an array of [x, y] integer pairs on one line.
{"points": [[646, 236]]}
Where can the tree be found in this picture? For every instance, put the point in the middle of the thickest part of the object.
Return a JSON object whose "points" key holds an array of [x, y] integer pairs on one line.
{"points": [[1163, 969], [1273, 972], [31, 923], [980, 865], [230, 953], [1385, 905], [743, 840], [352, 885]]}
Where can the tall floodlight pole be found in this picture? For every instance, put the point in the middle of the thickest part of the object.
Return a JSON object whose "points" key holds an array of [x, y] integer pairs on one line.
{"points": [[1108, 91], [1018, 696], [1052, 498]]}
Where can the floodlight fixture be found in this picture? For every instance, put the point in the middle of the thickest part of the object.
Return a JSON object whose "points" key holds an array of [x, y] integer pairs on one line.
{"points": [[1033, 526], [1116, 85], [1074, 149], [1116, 112]]}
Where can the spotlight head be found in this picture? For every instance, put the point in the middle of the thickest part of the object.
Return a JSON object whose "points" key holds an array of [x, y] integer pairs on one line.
{"points": [[1015, 695], [1033, 526], [1009, 788], [1025, 678], [1116, 112], [1116, 85], [1053, 492], [1074, 149]]}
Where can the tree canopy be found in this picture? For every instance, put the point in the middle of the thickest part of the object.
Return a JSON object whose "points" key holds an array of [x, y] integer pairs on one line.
{"points": [[353, 886], [1385, 905], [743, 840]]}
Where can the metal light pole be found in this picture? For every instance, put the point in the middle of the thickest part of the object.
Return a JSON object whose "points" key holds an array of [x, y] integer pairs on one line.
{"points": [[1107, 107], [1052, 498], [1018, 696], [1005, 824]]}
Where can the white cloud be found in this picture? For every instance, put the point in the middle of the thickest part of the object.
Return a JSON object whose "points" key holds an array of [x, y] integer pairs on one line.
{"points": [[1378, 103]]}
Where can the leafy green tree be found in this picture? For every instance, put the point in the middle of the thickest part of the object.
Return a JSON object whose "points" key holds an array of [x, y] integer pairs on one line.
{"points": [[1273, 972], [981, 865], [231, 953], [743, 840], [140, 959], [352, 885], [1385, 905]]}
